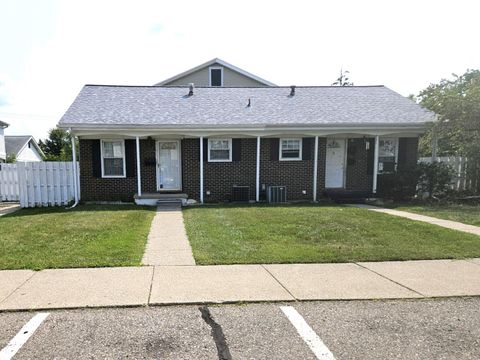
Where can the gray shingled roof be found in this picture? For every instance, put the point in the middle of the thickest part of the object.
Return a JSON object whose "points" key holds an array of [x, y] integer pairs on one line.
{"points": [[13, 144], [170, 106]]}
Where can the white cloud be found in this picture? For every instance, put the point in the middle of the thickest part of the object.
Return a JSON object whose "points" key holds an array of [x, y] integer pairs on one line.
{"points": [[404, 45]]}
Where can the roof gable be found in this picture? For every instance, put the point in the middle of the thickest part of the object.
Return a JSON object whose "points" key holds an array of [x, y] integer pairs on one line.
{"points": [[14, 144], [215, 62]]}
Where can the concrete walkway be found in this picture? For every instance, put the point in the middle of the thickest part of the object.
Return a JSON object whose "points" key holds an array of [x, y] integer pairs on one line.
{"points": [[167, 241], [8, 208], [158, 285], [454, 225]]}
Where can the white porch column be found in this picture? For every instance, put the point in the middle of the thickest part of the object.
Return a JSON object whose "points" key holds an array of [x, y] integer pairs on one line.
{"points": [[139, 176], [375, 164], [201, 169], [315, 169], [75, 175], [257, 180]]}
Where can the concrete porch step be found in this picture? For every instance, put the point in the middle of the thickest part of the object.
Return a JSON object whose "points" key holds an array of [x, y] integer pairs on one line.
{"points": [[158, 198]]}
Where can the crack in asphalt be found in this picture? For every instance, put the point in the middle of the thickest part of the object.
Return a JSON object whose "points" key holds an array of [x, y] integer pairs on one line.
{"points": [[217, 334]]}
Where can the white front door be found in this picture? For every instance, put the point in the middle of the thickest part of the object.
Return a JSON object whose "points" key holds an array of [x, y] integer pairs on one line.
{"points": [[168, 165], [335, 163]]}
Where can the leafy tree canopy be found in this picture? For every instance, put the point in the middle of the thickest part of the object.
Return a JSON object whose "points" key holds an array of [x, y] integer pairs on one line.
{"points": [[58, 145], [457, 103]]}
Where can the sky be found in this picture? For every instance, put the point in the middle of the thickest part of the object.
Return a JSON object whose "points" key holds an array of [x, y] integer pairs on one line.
{"points": [[50, 48]]}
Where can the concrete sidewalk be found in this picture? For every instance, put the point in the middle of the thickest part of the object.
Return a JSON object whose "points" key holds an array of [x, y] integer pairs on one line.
{"points": [[156, 285], [454, 225]]}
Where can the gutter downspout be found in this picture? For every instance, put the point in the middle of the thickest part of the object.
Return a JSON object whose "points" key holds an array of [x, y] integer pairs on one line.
{"points": [[375, 164], [201, 169], [257, 172], [315, 170], [75, 176]]}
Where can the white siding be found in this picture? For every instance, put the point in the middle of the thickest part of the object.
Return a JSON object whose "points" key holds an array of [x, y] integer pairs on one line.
{"points": [[230, 78], [3, 154], [28, 154]]}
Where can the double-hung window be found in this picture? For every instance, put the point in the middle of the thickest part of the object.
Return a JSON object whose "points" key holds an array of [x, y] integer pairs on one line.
{"points": [[113, 158], [219, 150], [290, 149]]}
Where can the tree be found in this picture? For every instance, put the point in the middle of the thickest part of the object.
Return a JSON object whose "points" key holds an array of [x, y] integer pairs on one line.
{"points": [[58, 145], [343, 79], [11, 158], [457, 103]]}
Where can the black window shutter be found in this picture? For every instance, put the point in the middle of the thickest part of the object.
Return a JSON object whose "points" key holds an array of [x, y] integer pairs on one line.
{"points": [[205, 149], [274, 149], [307, 148], [236, 149], [402, 151], [96, 159], [130, 158]]}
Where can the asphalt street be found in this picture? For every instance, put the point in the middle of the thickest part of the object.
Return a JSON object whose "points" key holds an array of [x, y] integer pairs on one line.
{"points": [[396, 329]]}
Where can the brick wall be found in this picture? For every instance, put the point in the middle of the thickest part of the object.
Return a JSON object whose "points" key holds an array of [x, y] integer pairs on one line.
{"points": [[99, 189], [116, 189], [220, 177]]}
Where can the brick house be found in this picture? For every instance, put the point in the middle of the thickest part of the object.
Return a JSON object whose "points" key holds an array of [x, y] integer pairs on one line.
{"points": [[211, 142]]}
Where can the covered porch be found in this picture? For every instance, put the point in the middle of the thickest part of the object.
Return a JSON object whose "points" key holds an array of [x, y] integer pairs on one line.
{"points": [[209, 165]]}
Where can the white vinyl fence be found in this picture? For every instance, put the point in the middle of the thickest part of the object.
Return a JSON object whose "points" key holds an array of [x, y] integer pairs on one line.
{"points": [[459, 165], [37, 183]]}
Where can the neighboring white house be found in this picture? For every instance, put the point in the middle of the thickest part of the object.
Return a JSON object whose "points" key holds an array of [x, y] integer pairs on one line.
{"points": [[3, 153], [24, 147]]}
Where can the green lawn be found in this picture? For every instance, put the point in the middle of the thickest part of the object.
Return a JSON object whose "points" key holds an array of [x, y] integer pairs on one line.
{"points": [[467, 214], [232, 234], [87, 236]]}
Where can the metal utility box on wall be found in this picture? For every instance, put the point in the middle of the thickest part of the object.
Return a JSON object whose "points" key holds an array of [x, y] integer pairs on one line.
{"points": [[240, 193], [277, 194]]}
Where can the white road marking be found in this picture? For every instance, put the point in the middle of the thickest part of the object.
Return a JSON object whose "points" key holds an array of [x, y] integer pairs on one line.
{"points": [[307, 334], [22, 336]]}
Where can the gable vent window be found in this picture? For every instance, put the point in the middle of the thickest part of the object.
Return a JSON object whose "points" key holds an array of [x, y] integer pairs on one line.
{"points": [[290, 149], [219, 150], [113, 158], [216, 76]]}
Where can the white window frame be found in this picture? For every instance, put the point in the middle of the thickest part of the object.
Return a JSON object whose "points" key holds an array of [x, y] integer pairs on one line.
{"points": [[210, 75], [102, 158], [229, 148], [397, 142], [281, 158]]}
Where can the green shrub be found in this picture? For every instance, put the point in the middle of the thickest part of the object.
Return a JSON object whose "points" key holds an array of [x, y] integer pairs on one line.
{"points": [[435, 178], [400, 184]]}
